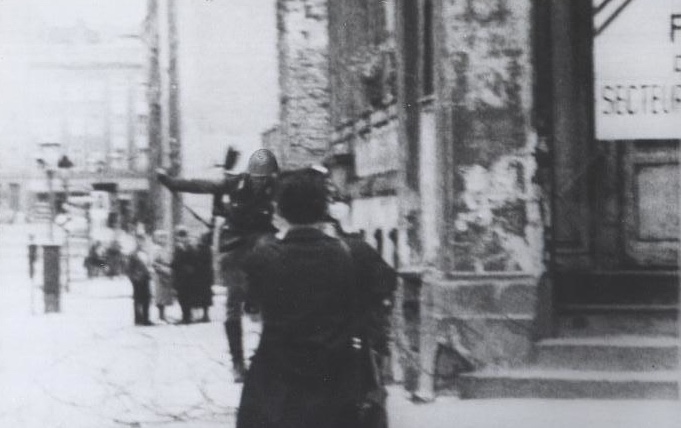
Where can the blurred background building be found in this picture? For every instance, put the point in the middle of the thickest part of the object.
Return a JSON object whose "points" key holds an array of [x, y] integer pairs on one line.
{"points": [[122, 88], [78, 91]]}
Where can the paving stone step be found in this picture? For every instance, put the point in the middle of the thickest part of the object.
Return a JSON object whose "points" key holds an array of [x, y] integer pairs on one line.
{"points": [[569, 384], [617, 287], [648, 322], [612, 353]]}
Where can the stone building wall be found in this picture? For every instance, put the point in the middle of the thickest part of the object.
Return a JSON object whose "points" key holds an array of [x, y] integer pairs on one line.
{"points": [[305, 94], [362, 68], [336, 64], [486, 93], [479, 298], [458, 181]]}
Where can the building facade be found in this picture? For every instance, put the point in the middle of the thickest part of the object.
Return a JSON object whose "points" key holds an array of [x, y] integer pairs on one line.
{"points": [[466, 135], [83, 97]]}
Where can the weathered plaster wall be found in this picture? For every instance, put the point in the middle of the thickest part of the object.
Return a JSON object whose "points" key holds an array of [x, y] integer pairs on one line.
{"points": [[487, 76], [305, 97], [377, 217], [479, 300], [361, 58], [336, 63]]}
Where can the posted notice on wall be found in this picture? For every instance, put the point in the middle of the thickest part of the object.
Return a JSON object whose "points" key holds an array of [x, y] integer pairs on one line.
{"points": [[637, 64]]}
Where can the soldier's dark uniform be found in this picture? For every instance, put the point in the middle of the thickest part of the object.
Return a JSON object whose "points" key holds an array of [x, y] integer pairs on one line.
{"points": [[248, 216], [322, 296]]}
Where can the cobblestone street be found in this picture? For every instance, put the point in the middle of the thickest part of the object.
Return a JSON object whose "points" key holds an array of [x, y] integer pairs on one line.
{"points": [[88, 366]]}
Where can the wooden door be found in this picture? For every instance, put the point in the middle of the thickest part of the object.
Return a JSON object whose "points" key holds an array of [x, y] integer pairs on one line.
{"points": [[651, 203]]}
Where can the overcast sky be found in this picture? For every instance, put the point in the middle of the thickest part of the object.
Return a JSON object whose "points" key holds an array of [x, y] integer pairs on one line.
{"points": [[249, 35], [96, 12]]}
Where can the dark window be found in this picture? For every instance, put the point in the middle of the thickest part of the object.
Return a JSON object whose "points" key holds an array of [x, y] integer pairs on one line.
{"points": [[427, 45]]}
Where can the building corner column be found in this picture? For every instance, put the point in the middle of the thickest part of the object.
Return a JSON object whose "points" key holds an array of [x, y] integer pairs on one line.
{"points": [[305, 103], [479, 300]]}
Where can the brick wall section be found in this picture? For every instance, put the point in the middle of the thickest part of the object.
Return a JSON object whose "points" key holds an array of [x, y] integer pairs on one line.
{"points": [[336, 63], [271, 140], [485, 61], [360, 59], [488, 319], [303, 43]]}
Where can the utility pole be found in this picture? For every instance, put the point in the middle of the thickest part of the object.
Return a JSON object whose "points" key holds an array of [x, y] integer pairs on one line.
{"points": [[174, 125], [50, 190], [155, 125]]}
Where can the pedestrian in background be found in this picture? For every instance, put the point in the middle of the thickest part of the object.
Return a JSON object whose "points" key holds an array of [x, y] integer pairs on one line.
{"points": [[138, 269], [114, 259], [183, 268], [94, 262], [161, 273], [204, 276], [32, 255], [376, 285]]}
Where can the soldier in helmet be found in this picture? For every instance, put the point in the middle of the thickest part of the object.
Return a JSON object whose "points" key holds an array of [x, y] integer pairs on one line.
{"points": [[248, 216], [250, 193]]}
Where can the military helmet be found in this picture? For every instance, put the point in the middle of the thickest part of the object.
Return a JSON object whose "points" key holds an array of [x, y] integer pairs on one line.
{"points": [[181, 231], [262, 163]]}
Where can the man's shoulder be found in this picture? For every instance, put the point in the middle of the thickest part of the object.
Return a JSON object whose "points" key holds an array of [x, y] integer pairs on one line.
{"points": [[358, 246], [264, 246]]}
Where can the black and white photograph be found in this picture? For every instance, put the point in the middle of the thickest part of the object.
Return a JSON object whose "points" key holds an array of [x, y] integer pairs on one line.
{"points": [[340, 213]]}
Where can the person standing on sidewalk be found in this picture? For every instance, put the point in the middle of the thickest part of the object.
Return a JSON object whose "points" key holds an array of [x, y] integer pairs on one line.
{"points": [[32, 255], [138, 270], [204, 276], [114, 259], [305, 372], [161, 274], [376, 284], [183, 268]]}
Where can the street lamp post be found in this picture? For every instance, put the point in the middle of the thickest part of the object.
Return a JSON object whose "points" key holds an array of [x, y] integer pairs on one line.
{"points": [[51, 250], [65, 166], [48, 162], [50, 179]]}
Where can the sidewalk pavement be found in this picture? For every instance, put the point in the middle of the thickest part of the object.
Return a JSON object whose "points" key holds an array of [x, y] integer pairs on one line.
{"points": [[450, 412], [88, 366]]}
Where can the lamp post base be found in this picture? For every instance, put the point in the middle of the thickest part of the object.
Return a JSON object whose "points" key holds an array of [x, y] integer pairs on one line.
{"points": [[51, 277]]}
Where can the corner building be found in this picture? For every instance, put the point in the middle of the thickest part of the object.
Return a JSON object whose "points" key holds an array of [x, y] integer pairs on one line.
{"points": [[535, 236]]}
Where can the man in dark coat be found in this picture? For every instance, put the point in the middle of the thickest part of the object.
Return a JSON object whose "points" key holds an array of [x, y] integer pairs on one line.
{"points": [[139, 273], [305, 372], [203, 298], [32, 255], [183, 268], [376, 282], [114, 258]]}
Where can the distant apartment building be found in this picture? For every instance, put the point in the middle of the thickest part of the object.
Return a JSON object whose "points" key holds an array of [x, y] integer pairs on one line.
{"points": [[84, 97]]}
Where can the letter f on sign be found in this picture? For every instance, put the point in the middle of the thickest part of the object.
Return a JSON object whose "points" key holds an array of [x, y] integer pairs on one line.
{"points": [[675, 26]]}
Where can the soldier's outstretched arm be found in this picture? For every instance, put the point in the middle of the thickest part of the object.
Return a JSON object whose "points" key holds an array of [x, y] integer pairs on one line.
{"points": [[196, 185]]}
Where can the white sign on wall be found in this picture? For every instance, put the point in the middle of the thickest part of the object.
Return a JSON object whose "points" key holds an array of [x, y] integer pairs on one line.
{"points": [[637, 64], [378, 150]]}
